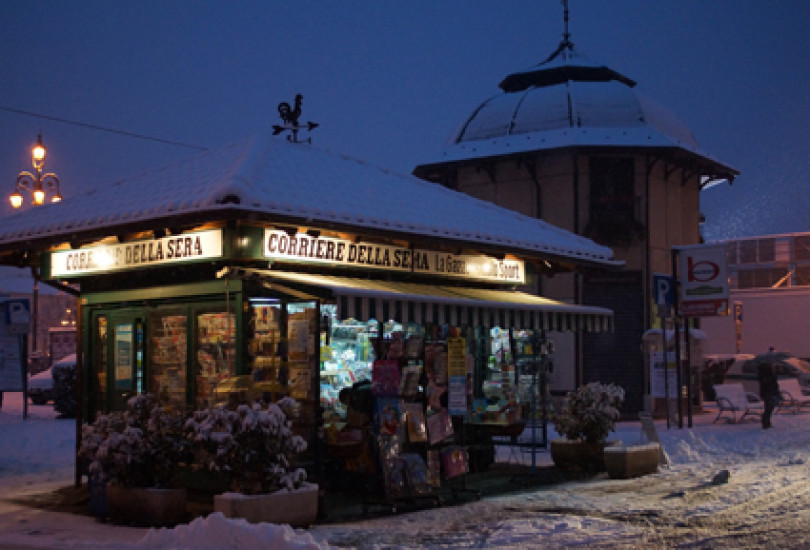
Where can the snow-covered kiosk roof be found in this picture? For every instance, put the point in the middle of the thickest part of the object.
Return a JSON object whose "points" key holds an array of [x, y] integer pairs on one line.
{"points": [[267, 179], [570, 101]]}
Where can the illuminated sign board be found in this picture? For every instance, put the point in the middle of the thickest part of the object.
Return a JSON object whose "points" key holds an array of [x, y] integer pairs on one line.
{"points": [[199, 245], [278, 245], [704, 280]]}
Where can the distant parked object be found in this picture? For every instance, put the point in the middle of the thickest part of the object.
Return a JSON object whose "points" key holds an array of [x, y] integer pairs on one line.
{"points": [[40, 387], [785, 364], [43, 388]]}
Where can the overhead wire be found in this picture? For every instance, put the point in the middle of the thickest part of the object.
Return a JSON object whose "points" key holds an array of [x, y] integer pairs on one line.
{"points": [[102, 128]]}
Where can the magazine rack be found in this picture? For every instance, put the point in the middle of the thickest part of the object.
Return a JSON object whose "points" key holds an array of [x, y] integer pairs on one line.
{"points": [[418, 447]]}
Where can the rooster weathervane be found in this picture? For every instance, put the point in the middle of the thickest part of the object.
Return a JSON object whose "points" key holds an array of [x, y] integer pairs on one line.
{"points": [[289, 115]]}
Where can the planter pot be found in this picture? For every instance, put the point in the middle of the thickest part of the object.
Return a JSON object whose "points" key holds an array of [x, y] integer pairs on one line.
{"points": [[577, 454], [631, 461], [146, 506], [97, 492], [297, 508]]}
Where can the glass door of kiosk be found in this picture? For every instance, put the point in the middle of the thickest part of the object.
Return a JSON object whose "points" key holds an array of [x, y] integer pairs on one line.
{"points": [[125, 356]]}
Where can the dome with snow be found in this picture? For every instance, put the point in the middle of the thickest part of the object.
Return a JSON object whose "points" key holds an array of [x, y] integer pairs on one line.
{"points": [[566, 101]]}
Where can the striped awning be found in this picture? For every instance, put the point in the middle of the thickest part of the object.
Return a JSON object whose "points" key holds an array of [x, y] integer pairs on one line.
{"points": [[406, 302]]}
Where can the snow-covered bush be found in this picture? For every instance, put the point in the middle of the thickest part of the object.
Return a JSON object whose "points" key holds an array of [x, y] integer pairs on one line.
{"points": [[590, 412], [140, 447], [64, 389], [251, 445]]}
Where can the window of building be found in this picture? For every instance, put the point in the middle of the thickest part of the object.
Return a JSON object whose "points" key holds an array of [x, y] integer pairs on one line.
{"points": [[803, 275], [612, 192], [612, 202], [801, 249], [747, 252], [766, 250], [760, 278]]}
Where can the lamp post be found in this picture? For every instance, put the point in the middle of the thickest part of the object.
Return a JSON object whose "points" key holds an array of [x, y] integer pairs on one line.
{"points": [[36, 183]]}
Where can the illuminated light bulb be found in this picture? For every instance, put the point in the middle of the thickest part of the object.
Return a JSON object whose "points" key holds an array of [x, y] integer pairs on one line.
{"points": [[16, 199], [38, 152], [39, 196]]}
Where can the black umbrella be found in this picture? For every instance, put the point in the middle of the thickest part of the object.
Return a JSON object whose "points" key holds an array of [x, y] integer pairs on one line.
{"points": [[772, 357]]}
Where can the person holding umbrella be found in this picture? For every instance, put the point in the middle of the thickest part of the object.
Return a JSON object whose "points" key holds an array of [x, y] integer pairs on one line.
{"points": [[768, 390]]}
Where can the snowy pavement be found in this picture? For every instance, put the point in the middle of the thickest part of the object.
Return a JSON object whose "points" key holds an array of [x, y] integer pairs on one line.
{"points": [[765, 504]]}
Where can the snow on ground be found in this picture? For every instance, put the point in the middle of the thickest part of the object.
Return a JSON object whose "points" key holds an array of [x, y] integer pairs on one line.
{"points": [[763, 505]]}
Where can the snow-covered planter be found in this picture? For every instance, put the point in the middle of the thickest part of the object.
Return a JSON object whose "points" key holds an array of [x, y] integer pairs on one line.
{"points": [[134, 457], [590, 412], [141, 447], [623, 462], [586, 419], [251, 446], [296, 507], [146, 506], [579, 455]]}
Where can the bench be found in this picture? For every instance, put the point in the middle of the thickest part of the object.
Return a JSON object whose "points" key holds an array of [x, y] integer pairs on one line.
{"points": [[792, 396], [732, 398]]}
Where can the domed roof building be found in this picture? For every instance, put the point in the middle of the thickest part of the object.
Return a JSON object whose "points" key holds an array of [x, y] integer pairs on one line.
{"points": [[568, 101], [572, 142]]}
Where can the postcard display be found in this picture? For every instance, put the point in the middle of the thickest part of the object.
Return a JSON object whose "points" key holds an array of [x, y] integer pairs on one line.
{"points": [[346, 358], [168, 353], [302, 330], [281, 352], [508, 384], [216, 336], [417, 385]]}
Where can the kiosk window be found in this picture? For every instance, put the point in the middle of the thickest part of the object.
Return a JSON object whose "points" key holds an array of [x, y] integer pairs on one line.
{"points": [[216, 362], [167, 350]]}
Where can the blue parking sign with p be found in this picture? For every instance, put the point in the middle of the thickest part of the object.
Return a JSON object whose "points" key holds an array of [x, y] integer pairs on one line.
{"points": [[663, 290], [18, 313]]}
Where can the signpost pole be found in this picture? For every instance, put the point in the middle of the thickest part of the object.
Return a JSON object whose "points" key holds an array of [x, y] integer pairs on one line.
{"points": [[664, 298], [23, 339], [676, 325], [688, 374], [666, 366]]}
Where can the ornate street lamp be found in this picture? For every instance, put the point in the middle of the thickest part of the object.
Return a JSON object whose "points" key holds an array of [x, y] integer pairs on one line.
{"points": [[36, 183]]}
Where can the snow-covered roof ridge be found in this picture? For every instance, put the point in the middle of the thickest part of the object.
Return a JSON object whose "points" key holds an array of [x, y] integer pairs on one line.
{"points": [[270, 176]]}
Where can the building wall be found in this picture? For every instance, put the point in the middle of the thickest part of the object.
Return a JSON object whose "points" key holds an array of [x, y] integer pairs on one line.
{"points": [[770, 277], [674, 215], [666, 205], [776, 317]]}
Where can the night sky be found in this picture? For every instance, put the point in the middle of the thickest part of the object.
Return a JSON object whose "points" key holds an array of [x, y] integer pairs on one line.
{"points": [[388, 81]]}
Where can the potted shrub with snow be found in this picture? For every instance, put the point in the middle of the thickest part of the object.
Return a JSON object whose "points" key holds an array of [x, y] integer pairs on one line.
{"points": [[136, 454], [252, 447], [586, 419]]}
